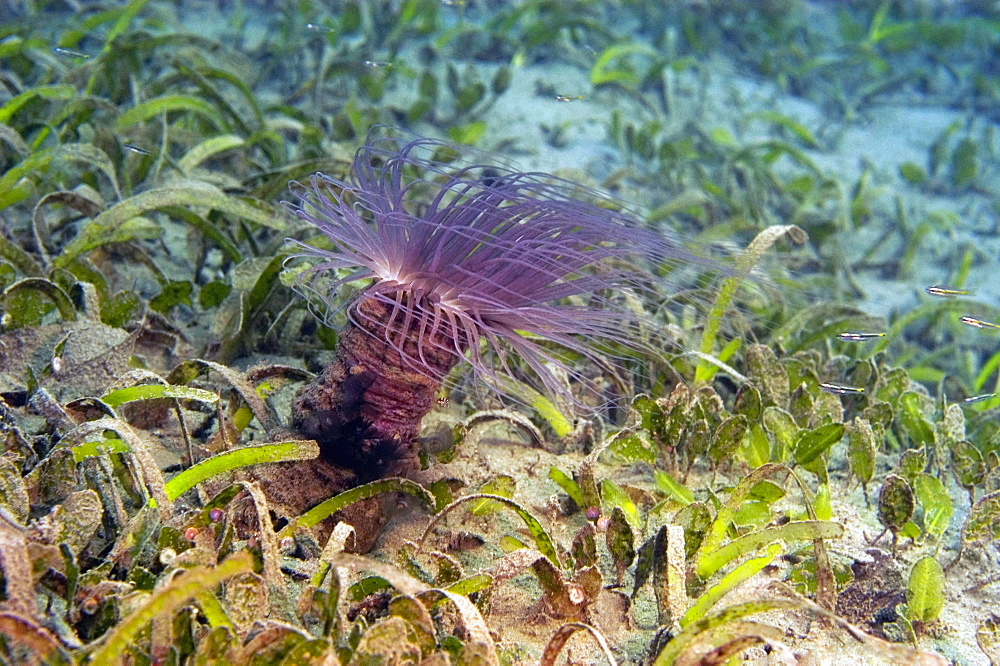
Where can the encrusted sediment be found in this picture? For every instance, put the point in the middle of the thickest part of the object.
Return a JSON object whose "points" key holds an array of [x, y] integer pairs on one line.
{"points": [[366, 406]]}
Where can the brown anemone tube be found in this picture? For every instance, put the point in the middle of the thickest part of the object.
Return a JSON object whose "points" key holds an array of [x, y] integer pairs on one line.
{"points": [[365, 409]]}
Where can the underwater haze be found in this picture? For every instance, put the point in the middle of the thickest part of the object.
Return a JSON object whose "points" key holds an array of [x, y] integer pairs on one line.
{"points": [[500, 331]]}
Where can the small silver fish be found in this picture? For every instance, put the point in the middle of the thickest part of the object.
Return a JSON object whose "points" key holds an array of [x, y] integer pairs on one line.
{"points": [[318, 28], [68, 53], [135, 149], [978, 323], [841, 389], [568, 98], [979, 398], [857, 336], [377, 63], [945, 292]]}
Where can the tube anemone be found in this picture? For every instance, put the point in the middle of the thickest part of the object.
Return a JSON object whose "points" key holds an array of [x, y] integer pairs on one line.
{"points": [[461, 263]]}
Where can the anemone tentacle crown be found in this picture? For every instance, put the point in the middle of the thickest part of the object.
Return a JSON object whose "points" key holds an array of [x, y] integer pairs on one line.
{"points": [[461, 263]]}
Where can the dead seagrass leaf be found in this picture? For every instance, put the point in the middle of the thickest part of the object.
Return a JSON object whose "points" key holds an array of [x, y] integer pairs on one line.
{"points": [[84, 200], [449, 569], [27, 302], [140, 529], [982, 525], [268, 543], [190, 369], [272, 641], [29, 643], [246, 599], [584, 548], [144, 475], [165, 601], [91, 356], [567, 598], [314, 651], [768, 375], [13, 494], [895, 503], [53, 479], [147, 413], [861, 451], [467, 612], [620, 540], [218, 644], [988, 637], [421, 625], [76, 520], [669, 553], [20, 592], [563, 634], [391, 639]]}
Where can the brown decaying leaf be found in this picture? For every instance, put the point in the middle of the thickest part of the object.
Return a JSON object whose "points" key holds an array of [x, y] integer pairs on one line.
{"points": [[276, 587], [471, 618], [40, 644], [563, 634], [20, 587], [188, 370], [13, 494], [669, 574], [152, 477]]}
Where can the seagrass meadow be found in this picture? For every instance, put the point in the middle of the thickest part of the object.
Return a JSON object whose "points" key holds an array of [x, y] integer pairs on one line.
{"points": [[479, 332]]}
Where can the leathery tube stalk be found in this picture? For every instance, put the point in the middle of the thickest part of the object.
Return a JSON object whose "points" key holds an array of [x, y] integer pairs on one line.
{"points": [[474, 264], [366, 407]]}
